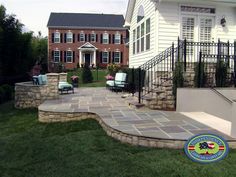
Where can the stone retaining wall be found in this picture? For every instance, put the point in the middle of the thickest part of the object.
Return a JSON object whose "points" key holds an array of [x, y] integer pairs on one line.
{"points": [[28, 95], [52, 117]]}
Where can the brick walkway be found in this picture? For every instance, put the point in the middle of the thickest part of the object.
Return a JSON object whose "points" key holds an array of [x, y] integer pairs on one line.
{"points": [[116, 113]]}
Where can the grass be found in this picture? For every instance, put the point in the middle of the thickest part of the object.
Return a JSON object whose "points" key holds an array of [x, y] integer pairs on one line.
{"points": [[82, 149], [99, 79]]}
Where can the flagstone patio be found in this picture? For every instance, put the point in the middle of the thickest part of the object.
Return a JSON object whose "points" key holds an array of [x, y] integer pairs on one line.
{"points": [[116, 113]]}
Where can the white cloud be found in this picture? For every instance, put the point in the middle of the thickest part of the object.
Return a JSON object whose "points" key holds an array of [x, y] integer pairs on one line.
{"points": [[34, 14]]}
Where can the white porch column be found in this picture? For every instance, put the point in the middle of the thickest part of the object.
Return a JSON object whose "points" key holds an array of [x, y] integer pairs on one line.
{"points": [[94, 58], [80, 57]]}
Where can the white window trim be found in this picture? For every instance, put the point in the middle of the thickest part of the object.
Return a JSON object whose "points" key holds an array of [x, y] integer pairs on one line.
{"points": [[67, 34], [103, 38], [119, 57], [68, 56], [107, 57], [59, 57], [95, 37], [119, 38], [59, 34], [80, 37]]}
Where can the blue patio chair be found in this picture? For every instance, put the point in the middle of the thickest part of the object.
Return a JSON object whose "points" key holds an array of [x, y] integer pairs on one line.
{"points": [[65, 87], [119, 83]]}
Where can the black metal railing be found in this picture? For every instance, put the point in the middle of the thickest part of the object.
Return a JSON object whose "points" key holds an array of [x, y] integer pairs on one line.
{"points": [[201, 57]]}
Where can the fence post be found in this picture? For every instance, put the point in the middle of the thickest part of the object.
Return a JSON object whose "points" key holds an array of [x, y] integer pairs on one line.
{"points": [[200, 69], [185, 54], [173, 56], [235, 63], [219, 50], [178, 49], [133, 84], [139, 85], [228, 56]]}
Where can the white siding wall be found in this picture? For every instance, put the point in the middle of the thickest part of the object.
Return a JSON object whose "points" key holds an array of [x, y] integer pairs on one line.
{"points": [[229, 32], [168, 24], [149, 9]]}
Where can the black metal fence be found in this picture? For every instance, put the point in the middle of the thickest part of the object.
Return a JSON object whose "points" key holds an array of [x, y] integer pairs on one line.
{"points": [[204, 58]]}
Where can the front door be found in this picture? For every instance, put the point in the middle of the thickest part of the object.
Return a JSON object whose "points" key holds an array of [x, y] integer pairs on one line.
{"points": [[87, 59]]}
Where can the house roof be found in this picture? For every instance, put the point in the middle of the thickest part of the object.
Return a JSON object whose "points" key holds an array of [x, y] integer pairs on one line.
{"points": [[84, 20]]}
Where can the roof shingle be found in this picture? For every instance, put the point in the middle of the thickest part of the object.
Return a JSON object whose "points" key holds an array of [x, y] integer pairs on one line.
{"points": [[79, 20]]}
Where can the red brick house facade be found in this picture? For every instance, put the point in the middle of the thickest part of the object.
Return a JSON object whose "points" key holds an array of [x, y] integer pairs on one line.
{"points": [[93, 39]]}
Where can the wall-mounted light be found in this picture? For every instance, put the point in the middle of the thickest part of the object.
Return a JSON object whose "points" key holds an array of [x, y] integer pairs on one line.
{"points": [[223, 21]]}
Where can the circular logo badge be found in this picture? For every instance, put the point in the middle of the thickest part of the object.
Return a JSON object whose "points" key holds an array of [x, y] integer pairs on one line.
{"points": [[206, 148]]}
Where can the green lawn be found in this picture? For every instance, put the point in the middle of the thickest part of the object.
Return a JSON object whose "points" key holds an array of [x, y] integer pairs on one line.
{"points": [[82, 149], [99, 79]]}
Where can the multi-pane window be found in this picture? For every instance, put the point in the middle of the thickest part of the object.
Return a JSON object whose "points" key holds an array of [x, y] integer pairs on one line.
{"points": [[117, 38], [82, 37], [116, 57], [138, 39], [69, 56], [148, 35], [105, 56], [142, 36], [93, 37], [134, 41], [140, 13], [69, 37], [57, 56], [57, 37], [105, 39]]}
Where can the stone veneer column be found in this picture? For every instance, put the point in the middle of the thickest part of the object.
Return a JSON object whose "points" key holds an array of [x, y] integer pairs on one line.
{"points": [[63, 77], [53, 80]]}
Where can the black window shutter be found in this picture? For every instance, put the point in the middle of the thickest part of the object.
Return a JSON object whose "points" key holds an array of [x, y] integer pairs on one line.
{"points": [[109, 58], [113, 39], [113, 57], [110, 39], [96, 38], [73, 38], [101, 57], [52, 37], [85, 37], [78, 37], [121, 57], [121, 39], [53, 55], [61, 38], [101, 38], [89, 37], [61, 56], [65, 38], [73, 56], [65, 56]]}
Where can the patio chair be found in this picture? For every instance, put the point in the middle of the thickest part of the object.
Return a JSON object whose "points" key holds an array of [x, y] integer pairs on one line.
{"points": [[119, 83], [65, 87], [40, 80]]}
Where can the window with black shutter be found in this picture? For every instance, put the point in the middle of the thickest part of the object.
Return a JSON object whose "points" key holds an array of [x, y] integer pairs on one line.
{"points": [[101, 38], [110, 58], [78, 37], [86, 37], [61, 38], [73, 38], [96, 38], [65, 56], [113, 39], [113, 57], [121, 39], [89, 37], [61, 53], [101, 57], [110, 41], [121, 57], [52, 54]]}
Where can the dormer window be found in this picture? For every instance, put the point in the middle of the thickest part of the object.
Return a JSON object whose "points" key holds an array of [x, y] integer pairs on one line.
{"points": [[57, 37], [140, 14], [69, 37]]}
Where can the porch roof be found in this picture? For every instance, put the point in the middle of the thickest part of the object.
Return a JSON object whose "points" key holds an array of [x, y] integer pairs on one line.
{"points": [[88, 46]]}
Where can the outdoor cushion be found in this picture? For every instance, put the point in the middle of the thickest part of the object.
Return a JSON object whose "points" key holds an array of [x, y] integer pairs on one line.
{"points": [[119, 81], [63, 85], [40, 79], [44, 79]]}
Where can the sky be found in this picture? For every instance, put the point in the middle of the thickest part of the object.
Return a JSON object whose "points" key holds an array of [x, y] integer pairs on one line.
{"points": [[34, 14]]}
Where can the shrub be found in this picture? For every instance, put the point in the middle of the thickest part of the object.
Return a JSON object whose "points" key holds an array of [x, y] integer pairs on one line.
{"points": [[178, 77], [221, 73], [112, 69], [199, 76], [6, 93], [87, 76]]}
